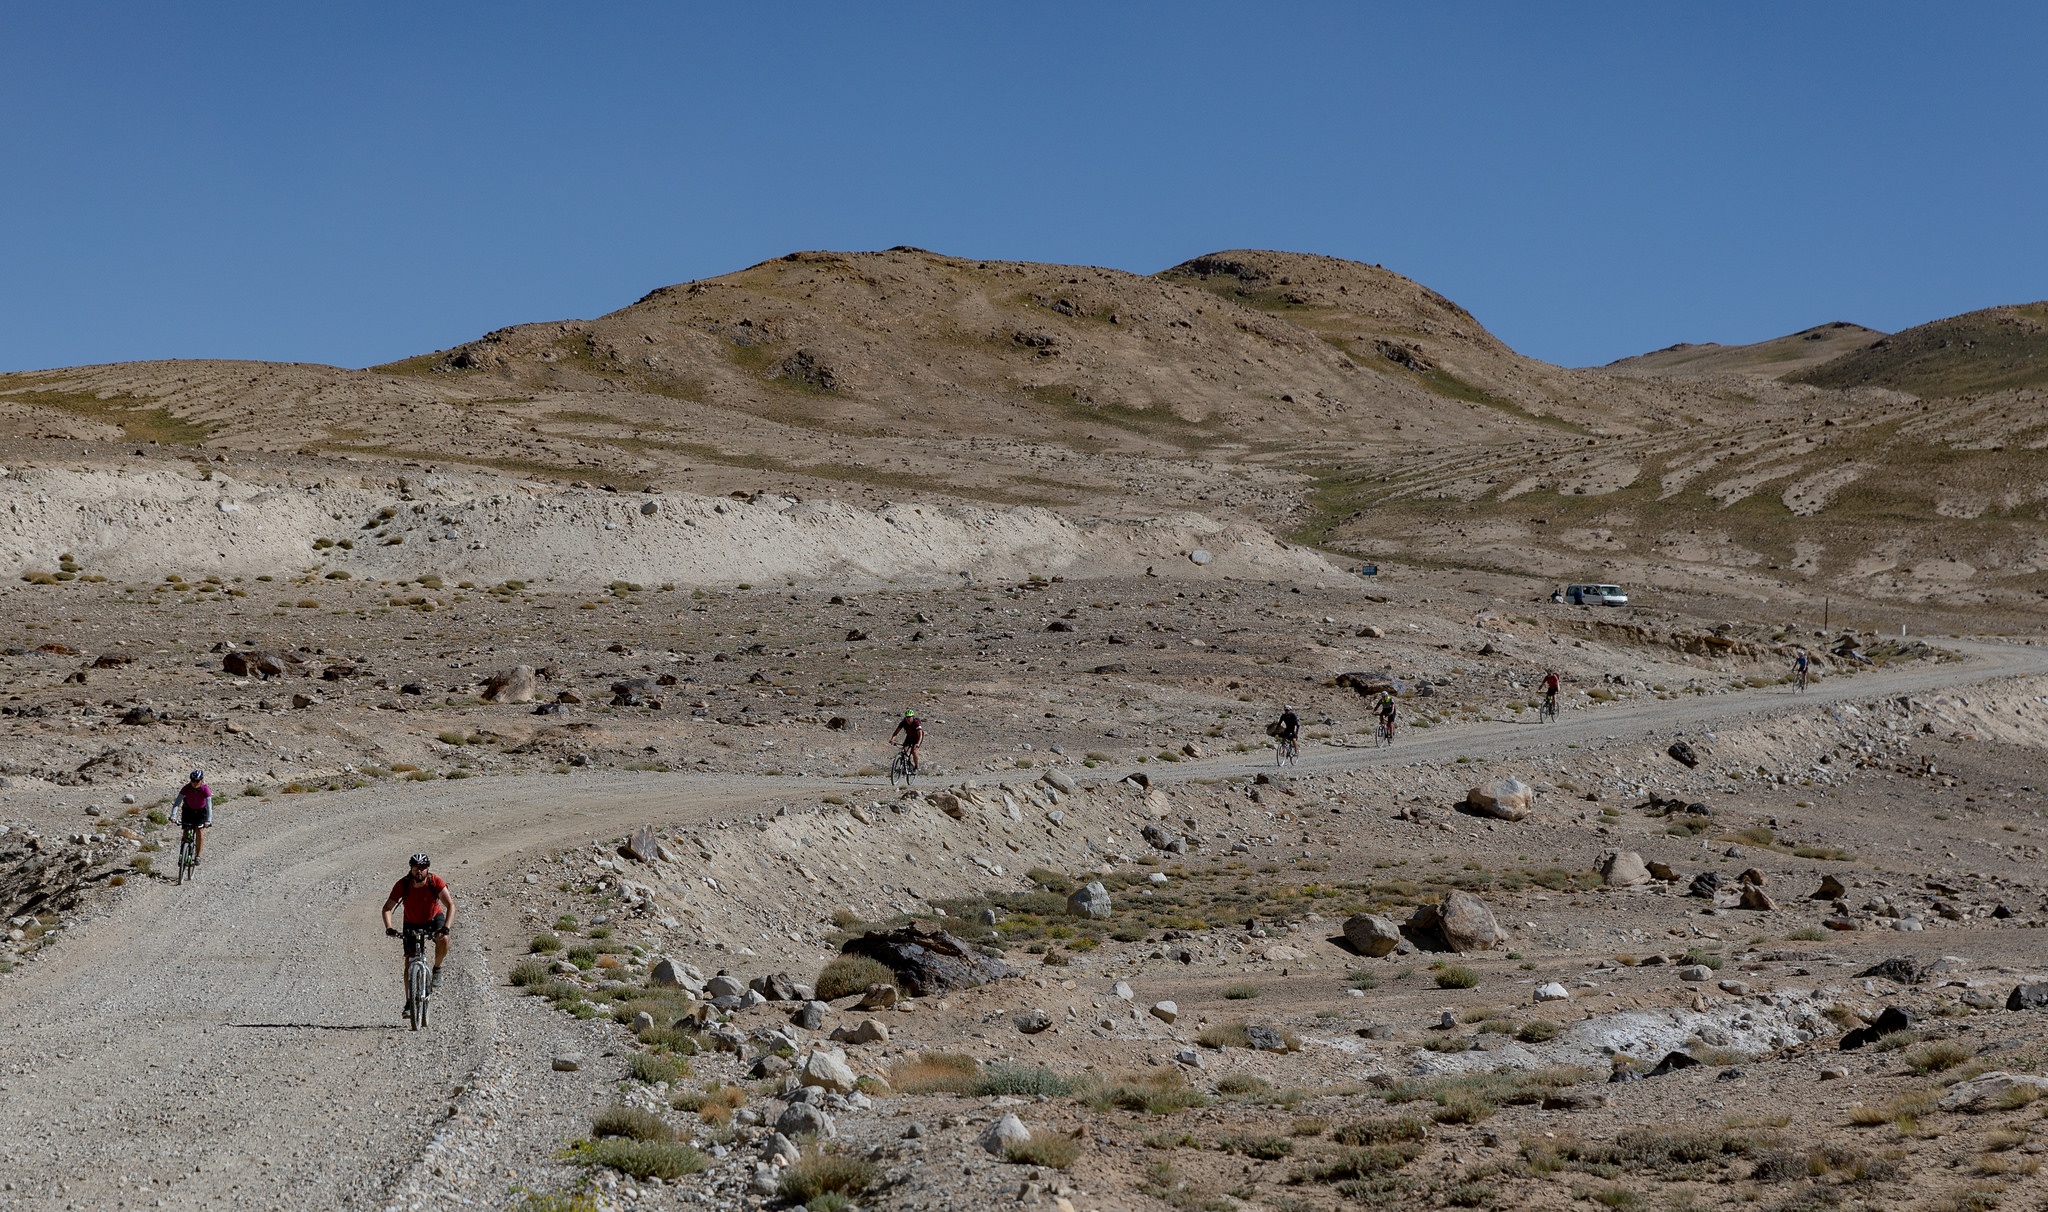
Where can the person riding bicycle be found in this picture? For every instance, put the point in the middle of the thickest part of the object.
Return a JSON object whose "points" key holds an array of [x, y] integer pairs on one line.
{"points": [[1289, 727], [1386, 713], [194, 805], [912, 729], [1550, 691], [428, 910]]}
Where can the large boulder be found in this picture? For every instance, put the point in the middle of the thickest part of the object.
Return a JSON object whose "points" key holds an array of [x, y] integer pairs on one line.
{"points": [[1371, 934], [1461, 923], [1995, 1091], [929, 962], [1502, 799], [1091, 900], [514, 685], [1682, 754], [259, 664], [827, 1071], [1005, 1132], [1624, 869]]}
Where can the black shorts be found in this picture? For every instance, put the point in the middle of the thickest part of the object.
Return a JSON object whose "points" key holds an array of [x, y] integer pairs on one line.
{"points": [[416, 934], [195, 822]]}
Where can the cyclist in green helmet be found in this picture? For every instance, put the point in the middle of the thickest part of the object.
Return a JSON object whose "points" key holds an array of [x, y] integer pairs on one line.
{"points": [[912, 729]]}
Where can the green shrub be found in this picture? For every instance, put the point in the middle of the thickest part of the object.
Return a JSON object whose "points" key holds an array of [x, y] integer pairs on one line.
{"points": [[1241, 993], [1454, 976], [652, 1068], [528, 973], [1160, 1092], [1024, 1081], [825, 1173], [1056, 1152], [1538, 1031], [545, 944], [639, 1158], [846, 975], [631, 1122]]}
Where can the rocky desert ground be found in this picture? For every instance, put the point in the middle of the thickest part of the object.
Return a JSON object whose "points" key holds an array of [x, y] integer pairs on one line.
{"points": [[614, 618]]}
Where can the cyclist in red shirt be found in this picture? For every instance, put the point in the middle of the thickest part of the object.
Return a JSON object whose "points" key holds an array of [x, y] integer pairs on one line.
{"points": [[428, 910], [912, 730]]}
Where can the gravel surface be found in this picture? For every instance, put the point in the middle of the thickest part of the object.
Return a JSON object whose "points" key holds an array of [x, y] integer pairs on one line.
{"points": [[239, 1038]]}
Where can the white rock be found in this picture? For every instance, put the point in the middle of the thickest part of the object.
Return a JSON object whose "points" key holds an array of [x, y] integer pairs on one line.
{"points": [[1994, 1091], [1552, 992], [1000, 1135], [1695, 972], [1165, 1012], [827, 1071], [1122, 990]]}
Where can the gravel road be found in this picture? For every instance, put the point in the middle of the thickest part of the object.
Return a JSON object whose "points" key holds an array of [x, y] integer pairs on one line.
{"points": [[239, 1038]]}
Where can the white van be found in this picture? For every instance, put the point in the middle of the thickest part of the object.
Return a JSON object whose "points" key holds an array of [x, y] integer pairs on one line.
{"points": [[1595, 595]]}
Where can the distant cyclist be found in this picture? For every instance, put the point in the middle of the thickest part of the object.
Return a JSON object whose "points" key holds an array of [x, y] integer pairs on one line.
{"points": [[1800, 663], [912, 730], [1287, 731], [428, 910], [1289, 727], [1386, 713], [1550, 691], [194, 805]]}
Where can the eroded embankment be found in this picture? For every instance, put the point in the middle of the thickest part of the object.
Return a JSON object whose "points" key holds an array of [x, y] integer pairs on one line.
{"points": [[146, 524]]}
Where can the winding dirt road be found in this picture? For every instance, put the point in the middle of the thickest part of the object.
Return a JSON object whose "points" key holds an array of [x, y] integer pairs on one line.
{"points": [[238, 1040]]}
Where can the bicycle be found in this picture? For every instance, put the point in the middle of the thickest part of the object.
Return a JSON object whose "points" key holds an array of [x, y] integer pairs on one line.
{"points": [[1546, 711], [1802, 680], [1383, 735], [188, 855], [1287, 752], [904, 768], [419, 976]]}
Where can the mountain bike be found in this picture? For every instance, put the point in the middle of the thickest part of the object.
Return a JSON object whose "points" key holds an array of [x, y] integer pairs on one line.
{"points": [[1383, 734], [419, 976], [1802, 679], [1286, 752], [904, 768], [188, 855], [1546, 711]]}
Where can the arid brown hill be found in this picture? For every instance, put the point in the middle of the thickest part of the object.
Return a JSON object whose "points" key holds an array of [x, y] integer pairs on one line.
{"points": [[1997, 349]]}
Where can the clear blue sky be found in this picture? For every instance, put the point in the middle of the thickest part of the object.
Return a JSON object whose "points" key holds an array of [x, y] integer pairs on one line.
{"points": [[355, 183]]}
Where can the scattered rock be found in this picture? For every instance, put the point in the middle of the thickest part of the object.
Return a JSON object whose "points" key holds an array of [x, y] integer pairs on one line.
{"points": [[1000, 1135], [932, 962], [642, 1021], [1754, 878], [1706, 885], [1757, 899], [867, 1031], [1031, 1021], [1682, 754], [1552, 992], [1165, 1012], [568, 1062], [258, 664], [1695, 972], [1461, 923], [1624, 869], [1672, 1063], [1734, 988], [1265, 1039], [1995, 1091], [2028, 997], [1090, 900], [878, 997], [1831, 889], [514, 685], [1900, 970], [640, 844], [805, 1119], [1664, 871], [1834, 1073], [1502, 799], [827, 1071], [1371, 934], [724, 986], [1891, 1021], [811, 1015]]}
